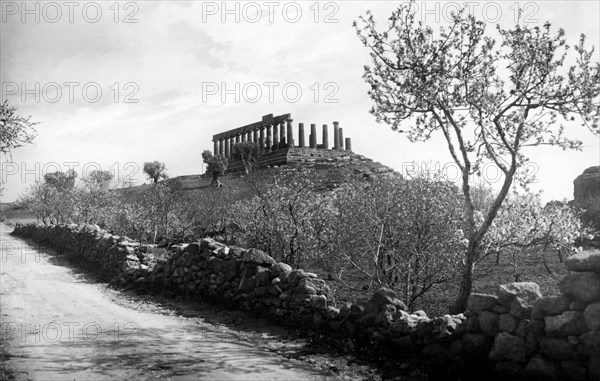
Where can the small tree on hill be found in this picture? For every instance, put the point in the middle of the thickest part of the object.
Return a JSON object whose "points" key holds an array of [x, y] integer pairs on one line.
{"points": [[248, 152], [215, 164], [488, 102], [155, 170]]}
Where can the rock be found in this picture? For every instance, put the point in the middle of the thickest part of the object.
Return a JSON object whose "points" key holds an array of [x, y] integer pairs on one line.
{"points": [[583, 286], [257, 256], [565, 324], [481, 302], [551, 305], [420, 313], [488, 322], [588, 260], [541, 368], [230, 269], [572, 371], [387, 296], [556, 349], [318, 302], [589, 343], [509, 370], [129, 267], [385, 315], [405, 324], [587, 184], [263, 276], [280, 267], [591, 315], [508, 347], [192, 248], [594, 367], [507, 323], [520, 296]]}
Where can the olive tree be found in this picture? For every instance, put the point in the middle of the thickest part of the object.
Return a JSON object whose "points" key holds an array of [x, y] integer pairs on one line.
{"points": [[489, 102]]}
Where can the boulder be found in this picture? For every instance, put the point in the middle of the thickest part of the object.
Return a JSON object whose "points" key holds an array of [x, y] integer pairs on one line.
{"points": [[589, 343], [524, 293], [258, 257], [557, 349], [540, 368], [230, 269], [583, 286], [280, 267], [507, 323], [591, 315], [588, 260], [594, 367], [481, 302], [587, 184], [551, 305], [572, 371], [387, 296], [192, 248], [488, 322], [566, 324], [508, 347]]}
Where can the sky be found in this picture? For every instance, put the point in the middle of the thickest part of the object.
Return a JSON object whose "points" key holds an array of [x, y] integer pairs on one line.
{"points": [[117, 84]]}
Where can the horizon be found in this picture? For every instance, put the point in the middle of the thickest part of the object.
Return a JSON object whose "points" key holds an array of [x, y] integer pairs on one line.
{"points": [[143, 81]]}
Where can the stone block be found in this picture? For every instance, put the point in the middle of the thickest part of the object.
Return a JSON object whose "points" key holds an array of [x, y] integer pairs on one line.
{"points": [[508, 347], [583, 261], [582, 286]]}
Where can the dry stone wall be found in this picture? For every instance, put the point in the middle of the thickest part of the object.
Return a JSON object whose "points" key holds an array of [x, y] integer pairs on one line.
{"points": [[517, 333]]}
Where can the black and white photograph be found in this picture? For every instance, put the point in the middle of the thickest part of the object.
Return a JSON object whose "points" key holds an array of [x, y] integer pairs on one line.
{"points": [[300, 190]]}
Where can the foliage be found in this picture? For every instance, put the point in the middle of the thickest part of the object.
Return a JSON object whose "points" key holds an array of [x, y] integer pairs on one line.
{"points": [[524, 230], [215, 164], [155, 170], [488, 102], [287, 218], [15, 130], [403, 234]]}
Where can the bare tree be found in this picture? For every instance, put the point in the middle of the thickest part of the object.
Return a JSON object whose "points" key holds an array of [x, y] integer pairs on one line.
{"points": [[489, 102]]}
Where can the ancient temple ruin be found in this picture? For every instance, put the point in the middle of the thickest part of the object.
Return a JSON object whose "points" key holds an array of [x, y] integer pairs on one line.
{"points": [[274, 133]]}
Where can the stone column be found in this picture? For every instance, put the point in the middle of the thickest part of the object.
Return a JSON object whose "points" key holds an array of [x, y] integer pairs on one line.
{"points": [[282, 134], [341, 136], [243, 137], [348, 144], [301, 142], [261, 140], [221, 147], [313, 135], [255, 136], [227, 143], [325, 137], [290, 133], [269, 142], [216, 147], [237, 138], [275, 137], [336, 137], [249, 136]]}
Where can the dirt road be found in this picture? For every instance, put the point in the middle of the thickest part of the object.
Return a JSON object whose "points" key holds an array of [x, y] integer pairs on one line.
{"points": [[56, 325]]}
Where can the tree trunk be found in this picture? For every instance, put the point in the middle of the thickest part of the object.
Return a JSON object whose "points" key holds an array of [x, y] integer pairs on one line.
{"points": [[215, 180], [466, 283]]}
